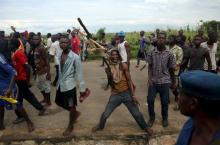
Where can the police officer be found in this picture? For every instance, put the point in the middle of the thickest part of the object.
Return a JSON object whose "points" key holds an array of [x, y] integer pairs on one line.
{"points": [[201, 102]]}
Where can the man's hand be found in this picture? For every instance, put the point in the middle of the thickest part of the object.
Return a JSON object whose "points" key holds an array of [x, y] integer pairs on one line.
{"points": [[107, 72], [8, 93], [150, 82], [29, 84], [173, 86], [134, 99], [84, 95]]}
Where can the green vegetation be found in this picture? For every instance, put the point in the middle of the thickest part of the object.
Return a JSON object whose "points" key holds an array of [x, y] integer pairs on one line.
{"points": [[132, 37]]}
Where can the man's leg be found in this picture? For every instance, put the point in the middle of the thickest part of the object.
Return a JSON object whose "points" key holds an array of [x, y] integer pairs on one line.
{"points": [[176, 94], [44, 85], [2, 112], [135, 112], [164, 97], [72, 118], [152, 91], [44, 99], [113, 103], [102, 62], [138, 62], [29, 96], [19, 118], [25, 116]]}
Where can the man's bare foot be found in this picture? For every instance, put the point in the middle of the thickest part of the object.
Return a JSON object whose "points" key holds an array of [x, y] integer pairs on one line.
{"points": [[2, 127], [30, 127], [149, 131], [68, 131]]}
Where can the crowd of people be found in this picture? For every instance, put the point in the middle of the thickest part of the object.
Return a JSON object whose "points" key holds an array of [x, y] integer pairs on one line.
{"points": [[173, 61]]}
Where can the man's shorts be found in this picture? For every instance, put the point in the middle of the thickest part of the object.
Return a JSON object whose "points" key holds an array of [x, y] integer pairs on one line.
{"points": [[67, 99], [42, 83]]}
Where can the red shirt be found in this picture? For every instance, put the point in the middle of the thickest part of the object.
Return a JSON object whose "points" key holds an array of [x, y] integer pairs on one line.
{"points": [[19, 60], [75, 43]]}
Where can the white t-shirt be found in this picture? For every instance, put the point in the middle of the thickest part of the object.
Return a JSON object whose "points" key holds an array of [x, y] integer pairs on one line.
{"points": [[122, 51], [56, 51], [212, 53], [49, 43]]}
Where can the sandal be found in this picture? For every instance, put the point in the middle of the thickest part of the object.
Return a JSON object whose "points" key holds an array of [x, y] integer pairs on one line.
{"points": [[85, 95]]}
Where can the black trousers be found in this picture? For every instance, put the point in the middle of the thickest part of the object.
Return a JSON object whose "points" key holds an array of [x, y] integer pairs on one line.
{"points": [[25, 93]]}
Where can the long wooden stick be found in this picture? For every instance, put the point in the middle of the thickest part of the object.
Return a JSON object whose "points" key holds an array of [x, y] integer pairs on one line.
{"points": [[91, 40]]}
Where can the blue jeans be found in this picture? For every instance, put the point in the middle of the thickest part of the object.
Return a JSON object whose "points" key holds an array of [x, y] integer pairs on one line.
{"points": [[163, 90], [115, 101]]}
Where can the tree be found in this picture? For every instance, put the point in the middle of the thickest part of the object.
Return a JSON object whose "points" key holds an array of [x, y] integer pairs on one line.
{"points": [[100, 35], [212, 25]]}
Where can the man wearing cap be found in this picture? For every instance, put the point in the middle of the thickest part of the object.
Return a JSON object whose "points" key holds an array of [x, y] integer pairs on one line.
{"points": [[124, 48], [201, 102], [161, 76]]}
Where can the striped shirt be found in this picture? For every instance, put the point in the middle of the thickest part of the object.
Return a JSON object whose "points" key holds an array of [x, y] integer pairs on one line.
{"points": [[160, 62]]}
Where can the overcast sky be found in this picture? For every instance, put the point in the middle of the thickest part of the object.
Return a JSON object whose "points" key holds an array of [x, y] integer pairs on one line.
{"points": [[114, 15]]}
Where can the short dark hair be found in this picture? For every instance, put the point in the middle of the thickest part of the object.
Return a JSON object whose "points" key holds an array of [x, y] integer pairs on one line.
{"points": [[163, 33], [48, 34], [173, 36], [213, 35], [2, 33]]}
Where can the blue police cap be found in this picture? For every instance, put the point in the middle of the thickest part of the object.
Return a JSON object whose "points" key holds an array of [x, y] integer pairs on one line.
{"points": [[121, 34], [201, 84]]}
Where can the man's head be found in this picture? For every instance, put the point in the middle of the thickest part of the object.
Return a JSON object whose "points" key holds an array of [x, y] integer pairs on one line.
{"points": [[64, 42], [213, 37], [200, 32], [157, 31], [197, 97], [142, 33], [54, 37], [197, 40], [180, 32], [14, 44], [16, 35], [48, 35], [172, 40], [121, 36], [73, 33], [39, 34], [2, 34], [161, 42], [36, 40], [115, 56], [68, 31]]}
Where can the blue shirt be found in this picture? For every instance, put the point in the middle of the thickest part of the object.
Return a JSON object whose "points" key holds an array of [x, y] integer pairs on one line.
{"points": [[71, 73], [6, 73], [186, 133]]}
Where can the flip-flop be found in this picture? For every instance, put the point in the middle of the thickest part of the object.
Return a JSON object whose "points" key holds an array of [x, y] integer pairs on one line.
{"points": [[87, 93]]}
